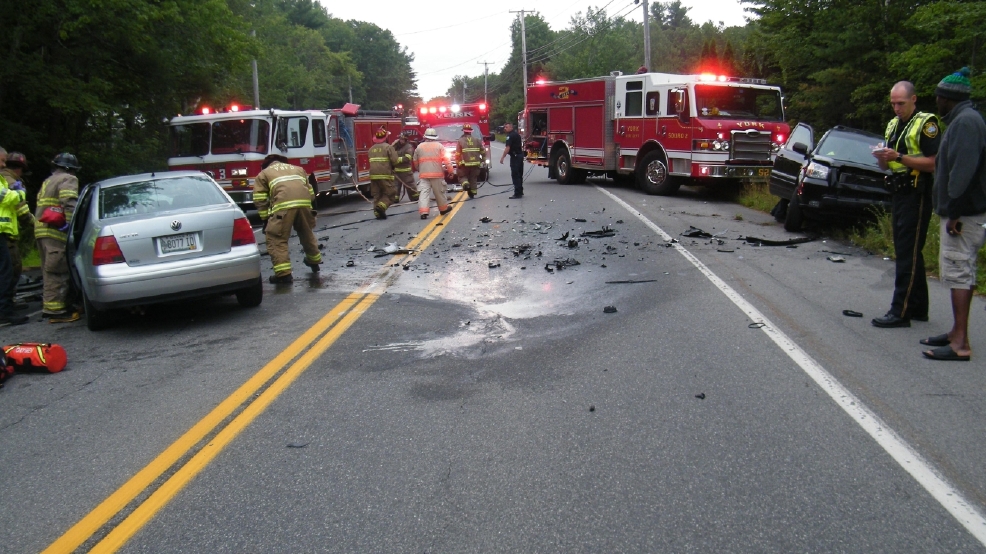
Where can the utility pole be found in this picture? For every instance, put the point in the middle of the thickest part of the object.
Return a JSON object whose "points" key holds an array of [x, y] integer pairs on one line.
{"points": [[350, 89], [256, 79], [646, 36], [486, 81], [463, 91], [523, 47]]}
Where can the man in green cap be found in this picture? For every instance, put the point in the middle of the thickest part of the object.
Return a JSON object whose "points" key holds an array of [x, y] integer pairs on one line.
{"points": [[960, 200]]}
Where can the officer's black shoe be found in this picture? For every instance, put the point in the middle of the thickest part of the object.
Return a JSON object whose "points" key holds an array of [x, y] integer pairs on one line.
{"points": [[13, 320], [923, 318], [516, 196], [890, 320], [283, 279], [21, 306]]}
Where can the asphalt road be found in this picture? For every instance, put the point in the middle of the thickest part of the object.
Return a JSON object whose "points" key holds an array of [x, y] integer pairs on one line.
{"points": [[466, 399]]}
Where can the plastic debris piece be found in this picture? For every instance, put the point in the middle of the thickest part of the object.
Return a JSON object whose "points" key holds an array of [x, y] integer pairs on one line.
{"points": [[765, 242], [350, 263], [563, 237], [836, 259], [592, 407], [297, 444], [757, 325], [604, 232], [700, 396], [725, 250], [631, 281], [695, 232], [609, 310], [486, 220], [580, 220], [494, 264], [851, 313], [573, 243]]}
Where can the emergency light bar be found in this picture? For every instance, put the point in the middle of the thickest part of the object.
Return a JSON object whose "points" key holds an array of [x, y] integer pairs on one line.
{"points": [[712, 77], [454, 108]]}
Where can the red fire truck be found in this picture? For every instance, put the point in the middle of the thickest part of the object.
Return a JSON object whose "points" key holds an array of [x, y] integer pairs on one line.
{"points": [[231, 144], [654, 129], [447, 120]]}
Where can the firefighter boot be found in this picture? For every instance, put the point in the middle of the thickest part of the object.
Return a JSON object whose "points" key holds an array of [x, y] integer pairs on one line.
{"points": [[281, 279], [380, 211]]}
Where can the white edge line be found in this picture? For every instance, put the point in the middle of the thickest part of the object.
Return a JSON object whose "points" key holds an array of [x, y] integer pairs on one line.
{"points": [[965, 512]]}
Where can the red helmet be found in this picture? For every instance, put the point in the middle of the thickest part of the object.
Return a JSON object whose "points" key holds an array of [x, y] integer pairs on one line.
{"points": [[16, 159], [467, 128], [380, 135]]}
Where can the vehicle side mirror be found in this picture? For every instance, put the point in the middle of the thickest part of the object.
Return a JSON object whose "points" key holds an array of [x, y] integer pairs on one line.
{"points": [[800, 148], [491, 137]]}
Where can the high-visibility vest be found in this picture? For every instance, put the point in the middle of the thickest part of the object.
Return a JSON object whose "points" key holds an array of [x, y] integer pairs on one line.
{"points": [[911, 135]]}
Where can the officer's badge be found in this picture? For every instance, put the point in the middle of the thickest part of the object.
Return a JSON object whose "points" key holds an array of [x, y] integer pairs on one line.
{"points": [[930, 129]]}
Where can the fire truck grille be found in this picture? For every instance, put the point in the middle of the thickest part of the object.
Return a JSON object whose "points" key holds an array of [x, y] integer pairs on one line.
{"points": [[750, 145]]}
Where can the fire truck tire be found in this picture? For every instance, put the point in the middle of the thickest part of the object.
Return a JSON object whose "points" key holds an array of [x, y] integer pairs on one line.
{"points": [[566, 175], [653, 176], [96, 320], [252, 296], [795, 218]]}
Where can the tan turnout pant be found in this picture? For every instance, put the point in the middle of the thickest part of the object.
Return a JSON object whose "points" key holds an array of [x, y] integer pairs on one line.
{"points": [[384, 193], [279, 227], [54, 270], [427, 188]]}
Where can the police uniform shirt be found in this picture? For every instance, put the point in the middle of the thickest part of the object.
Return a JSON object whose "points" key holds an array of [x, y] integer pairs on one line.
{"points": [[930, 135], [513, 141]]}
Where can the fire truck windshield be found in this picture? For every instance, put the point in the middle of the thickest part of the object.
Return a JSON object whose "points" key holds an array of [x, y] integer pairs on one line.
{"points": [[189, 140], [452, 132], [236, 136], [730, 102]]}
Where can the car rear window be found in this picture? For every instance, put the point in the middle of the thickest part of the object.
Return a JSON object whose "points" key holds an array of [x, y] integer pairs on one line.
{"points": [[158, 195]]}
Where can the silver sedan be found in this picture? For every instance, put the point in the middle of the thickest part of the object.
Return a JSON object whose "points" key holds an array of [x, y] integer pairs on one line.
{"points": [[156, 237]]}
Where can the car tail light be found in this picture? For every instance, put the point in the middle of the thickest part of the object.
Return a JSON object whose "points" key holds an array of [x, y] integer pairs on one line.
{"points": [[242, 232], [107, 251]]}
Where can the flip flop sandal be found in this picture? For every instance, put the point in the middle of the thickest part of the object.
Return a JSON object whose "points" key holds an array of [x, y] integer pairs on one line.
{"points": [[940, 340], [945, 353]]}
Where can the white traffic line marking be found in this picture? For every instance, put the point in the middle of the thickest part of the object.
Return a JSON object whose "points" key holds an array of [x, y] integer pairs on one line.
{"points": [[967, 513]]}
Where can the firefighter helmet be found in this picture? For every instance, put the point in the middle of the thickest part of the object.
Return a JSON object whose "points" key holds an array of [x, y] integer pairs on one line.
{"points": [[380, 135], [16, 159], [467, 128], [431, 134], [271, 158], [66, 161]]}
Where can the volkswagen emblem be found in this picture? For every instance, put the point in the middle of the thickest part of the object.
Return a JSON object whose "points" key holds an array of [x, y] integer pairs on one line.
{"points": [[176, 225]]}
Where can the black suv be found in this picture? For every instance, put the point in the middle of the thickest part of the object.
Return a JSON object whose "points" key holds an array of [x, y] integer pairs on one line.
{"points": [[837, 178]]}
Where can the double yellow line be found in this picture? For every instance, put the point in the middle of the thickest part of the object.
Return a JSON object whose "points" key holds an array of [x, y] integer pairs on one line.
{"points": [[248, 401]]}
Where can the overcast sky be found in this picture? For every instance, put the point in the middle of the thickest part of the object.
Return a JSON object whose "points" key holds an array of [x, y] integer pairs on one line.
{"points": [[433, 31]]}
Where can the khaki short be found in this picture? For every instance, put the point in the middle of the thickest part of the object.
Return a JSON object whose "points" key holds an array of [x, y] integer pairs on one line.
{"points": [[957, 255]]}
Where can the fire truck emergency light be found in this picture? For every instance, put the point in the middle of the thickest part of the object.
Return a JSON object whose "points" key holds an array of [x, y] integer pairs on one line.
{"points": [[424, 111], [234, 108], [456, 108], [442, 109], [432, 109], [482, 107], [206, 111]]}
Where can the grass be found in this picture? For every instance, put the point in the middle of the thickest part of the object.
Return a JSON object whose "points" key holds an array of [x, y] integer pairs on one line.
{"points": [[876, 236], [758, 197]]}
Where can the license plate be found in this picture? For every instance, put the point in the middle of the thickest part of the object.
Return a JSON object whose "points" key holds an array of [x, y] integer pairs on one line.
{"points": [[764, 172], [177, 243]]}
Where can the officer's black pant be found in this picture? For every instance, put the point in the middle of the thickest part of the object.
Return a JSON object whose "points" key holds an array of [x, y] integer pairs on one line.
{"points": [[7, 284], [517, 174], [911, 214]]}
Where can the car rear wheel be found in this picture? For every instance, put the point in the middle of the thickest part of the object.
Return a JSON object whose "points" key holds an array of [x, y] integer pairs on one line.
{"points": [[795, 218], [653, 176], [96, 320], [252, 296]]}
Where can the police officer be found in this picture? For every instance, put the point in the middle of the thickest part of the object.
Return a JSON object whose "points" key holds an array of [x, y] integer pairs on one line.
{"points": [[383, 158], [469, 156], [10, 199], [403, 171], [56, 204], [515, 150], [912, 144], [13, 173], [284, 201]]}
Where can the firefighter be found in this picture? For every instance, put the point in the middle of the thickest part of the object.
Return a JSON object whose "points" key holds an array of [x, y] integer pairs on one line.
{"points": [[13, 173], [469, 156], [428, 158], [403, 171], [284, 201], [55, 206], [10, 198], [383, 158]]}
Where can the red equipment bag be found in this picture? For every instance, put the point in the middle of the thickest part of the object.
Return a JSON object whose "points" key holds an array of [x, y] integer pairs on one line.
{"points": [[53, 216], [29, 356]]}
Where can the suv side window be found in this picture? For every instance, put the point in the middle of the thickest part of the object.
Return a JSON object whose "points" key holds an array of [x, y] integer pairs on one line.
{"points": [[801, 134]]}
